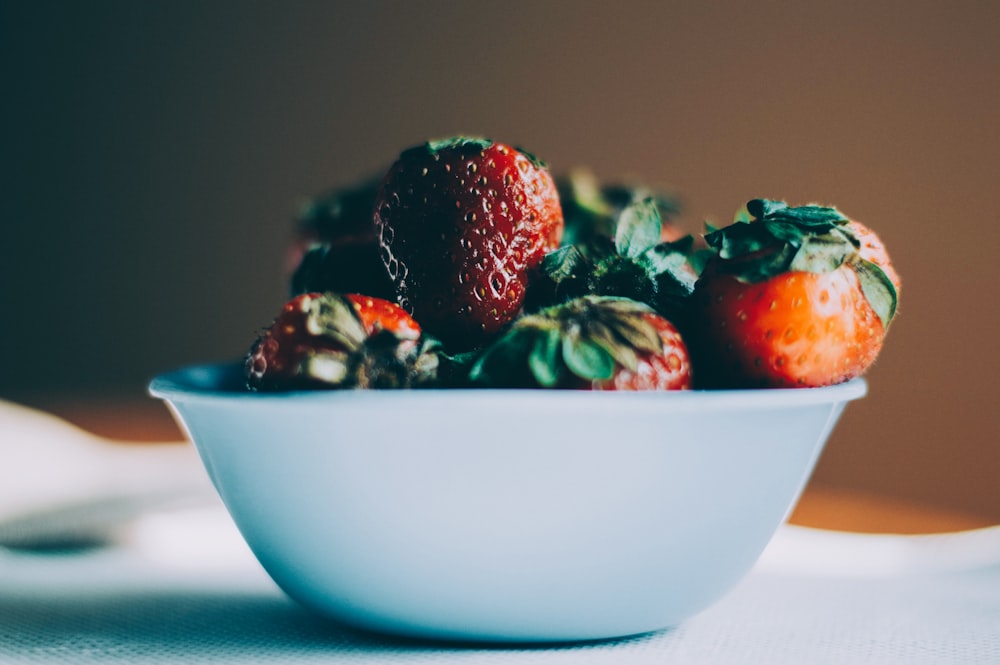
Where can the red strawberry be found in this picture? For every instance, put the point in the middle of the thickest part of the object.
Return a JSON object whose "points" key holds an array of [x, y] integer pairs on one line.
{"points": [[592, 342], [460, 223], [335, 246], [794, 297], [327, 340]]}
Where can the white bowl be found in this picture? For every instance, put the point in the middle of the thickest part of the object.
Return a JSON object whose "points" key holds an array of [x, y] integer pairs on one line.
{"points": [[505, 515]]}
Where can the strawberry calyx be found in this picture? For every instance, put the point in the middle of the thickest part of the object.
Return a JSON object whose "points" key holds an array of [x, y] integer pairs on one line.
{"points": [[434, 146], [632, 263], [384, 362], [577, 343], [769, 238], [591, 208], [328, 345], [475, 143]]}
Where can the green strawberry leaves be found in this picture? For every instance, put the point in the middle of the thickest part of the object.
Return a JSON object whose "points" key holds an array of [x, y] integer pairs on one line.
{"points": [[456, 142], [561, 276], [543, 360], [770, 238], [631, 262], [356, 359], [774, 226], [807, 216], [616, 275], [587, 358], [592, 209], [613, 247], [878, 289], [674, 265], [638, 228], [585, 340]]}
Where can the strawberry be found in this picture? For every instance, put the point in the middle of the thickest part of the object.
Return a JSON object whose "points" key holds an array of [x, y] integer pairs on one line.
{"points": [[794, 296], [335, 246], [872, 249], [592, 342], [324, 340], [634, 262], [460, 223]]}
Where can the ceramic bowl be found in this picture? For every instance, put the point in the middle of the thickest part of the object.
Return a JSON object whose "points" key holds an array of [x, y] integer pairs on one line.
{"points": [[505, 515]]}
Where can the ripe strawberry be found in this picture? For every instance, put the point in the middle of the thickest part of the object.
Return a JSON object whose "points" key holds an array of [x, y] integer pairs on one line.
{"points": [[593, 342], [460, 223], [323, 340], [793, 297], [335, 247], [872, 249]]}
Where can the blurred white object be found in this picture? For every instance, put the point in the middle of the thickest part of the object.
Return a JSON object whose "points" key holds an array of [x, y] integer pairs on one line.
{"points": [[805, 551], [198, 539], [61, 486]]}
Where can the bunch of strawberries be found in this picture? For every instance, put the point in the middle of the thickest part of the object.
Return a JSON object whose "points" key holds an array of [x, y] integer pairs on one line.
{"points": [[469, 265]]}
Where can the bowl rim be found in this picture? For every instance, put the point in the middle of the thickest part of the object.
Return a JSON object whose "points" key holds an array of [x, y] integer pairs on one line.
{"points": [[203, 383]]}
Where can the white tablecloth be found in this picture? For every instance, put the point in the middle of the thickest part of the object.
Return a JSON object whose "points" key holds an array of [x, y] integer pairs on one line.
{"points": [[184, 589]]}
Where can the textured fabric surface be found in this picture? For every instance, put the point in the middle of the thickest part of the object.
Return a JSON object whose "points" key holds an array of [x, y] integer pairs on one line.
{"points": [[120, 605]]}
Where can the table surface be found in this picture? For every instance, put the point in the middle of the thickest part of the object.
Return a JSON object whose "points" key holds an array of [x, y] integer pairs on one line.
{"points": [[185, 589]]}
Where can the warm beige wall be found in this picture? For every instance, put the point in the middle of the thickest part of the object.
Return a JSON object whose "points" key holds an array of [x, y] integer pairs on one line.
{"points": [[160, 149]]}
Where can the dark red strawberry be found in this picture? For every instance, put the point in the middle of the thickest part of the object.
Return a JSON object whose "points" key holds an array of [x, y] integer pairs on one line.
{"points": [[335, 246], [324, 340], [460, 223], [795, 297], [593, 342]]}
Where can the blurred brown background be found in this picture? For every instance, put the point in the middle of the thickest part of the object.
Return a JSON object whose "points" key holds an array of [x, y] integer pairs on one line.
{"points": [[155, 155]]}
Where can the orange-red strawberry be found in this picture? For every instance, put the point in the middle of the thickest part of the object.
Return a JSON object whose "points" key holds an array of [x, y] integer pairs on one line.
{"points": [[793, 297], [668, 369], [871, 248], [325, 340], [592, 342], [460, 223]]}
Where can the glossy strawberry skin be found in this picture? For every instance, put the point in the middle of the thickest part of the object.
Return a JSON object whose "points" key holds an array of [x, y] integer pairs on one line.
{"points": [[668, 370], [792, 297], [377, 314], [280, 358], [873, 249], [460, 223], [797, 329]]}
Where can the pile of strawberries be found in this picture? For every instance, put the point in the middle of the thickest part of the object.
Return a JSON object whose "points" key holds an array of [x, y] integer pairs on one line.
{"points": [[469, 265]]}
